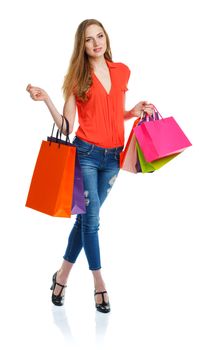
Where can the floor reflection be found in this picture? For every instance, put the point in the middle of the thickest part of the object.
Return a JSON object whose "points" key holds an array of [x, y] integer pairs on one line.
{"points": [[98, 323], [61, 321], [101, 325]]}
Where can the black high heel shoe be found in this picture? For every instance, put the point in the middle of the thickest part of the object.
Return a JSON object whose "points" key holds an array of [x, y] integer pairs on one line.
{"points": [[57, 299], [104, 306]]}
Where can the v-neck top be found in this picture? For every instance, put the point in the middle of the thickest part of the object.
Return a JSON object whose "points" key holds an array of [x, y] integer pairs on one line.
{"points": [[101, 117]]}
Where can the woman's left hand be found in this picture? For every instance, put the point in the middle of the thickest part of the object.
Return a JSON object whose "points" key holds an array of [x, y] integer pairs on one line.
{"points": [[142, 106]]}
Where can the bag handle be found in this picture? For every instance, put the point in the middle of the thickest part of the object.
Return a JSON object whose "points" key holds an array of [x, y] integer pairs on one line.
{"points": [[155, 116], [156, 111], [60, 131], [148, 118]]}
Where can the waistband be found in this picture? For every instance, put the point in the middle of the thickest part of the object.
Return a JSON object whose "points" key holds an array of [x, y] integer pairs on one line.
{"points": [[97, 148]]}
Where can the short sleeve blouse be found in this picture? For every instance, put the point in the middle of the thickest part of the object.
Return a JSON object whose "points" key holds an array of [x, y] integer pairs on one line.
{"points": [[101, 117]]}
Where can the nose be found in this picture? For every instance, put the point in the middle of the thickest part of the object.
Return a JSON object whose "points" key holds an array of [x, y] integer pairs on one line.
{"points": [[95, 42]]}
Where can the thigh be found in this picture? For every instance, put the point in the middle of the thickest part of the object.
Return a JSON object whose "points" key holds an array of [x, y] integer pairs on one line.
{"points": [[107, 177], [90, 181], [88, 165]]}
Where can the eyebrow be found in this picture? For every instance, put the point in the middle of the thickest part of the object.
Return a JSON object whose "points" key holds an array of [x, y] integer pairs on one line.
{"points": [[88, 37]]}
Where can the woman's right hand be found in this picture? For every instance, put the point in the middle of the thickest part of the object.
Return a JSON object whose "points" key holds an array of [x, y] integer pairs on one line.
{"points": [[36, 93]]}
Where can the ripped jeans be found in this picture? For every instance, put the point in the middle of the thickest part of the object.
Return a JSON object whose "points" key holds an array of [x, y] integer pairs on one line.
{"points": [[100, 167]]}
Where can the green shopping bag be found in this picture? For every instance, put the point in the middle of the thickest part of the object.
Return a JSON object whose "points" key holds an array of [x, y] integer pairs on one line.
{"points": [[154, 165]]}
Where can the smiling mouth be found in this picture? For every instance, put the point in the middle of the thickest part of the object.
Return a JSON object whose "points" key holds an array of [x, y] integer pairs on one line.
{"points": [[98, 49]]}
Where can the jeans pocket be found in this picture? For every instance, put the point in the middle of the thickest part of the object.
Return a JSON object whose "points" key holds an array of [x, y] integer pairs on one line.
{"points": [[84, 149]]}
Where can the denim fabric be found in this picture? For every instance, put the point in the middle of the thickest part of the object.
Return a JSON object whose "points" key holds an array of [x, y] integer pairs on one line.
{"points": [[100, 167]]}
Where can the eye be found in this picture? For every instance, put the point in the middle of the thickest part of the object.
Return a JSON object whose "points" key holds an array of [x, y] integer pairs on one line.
{"points": [[101, 36], [87, 40]]}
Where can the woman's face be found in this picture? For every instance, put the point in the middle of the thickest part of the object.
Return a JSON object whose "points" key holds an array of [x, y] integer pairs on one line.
{"points": [[95, 41]]}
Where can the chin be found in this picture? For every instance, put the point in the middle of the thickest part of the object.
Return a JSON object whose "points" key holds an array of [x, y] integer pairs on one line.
{"points": [[98, 54]]}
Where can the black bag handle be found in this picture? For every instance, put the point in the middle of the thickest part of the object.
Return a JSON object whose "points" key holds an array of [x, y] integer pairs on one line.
{"points": [[58, 139]]}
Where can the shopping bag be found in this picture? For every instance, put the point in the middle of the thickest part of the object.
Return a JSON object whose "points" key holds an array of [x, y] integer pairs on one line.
{"points": [[128, 157], [160, 138], [52, 183], [147, 167], [78, 202]]}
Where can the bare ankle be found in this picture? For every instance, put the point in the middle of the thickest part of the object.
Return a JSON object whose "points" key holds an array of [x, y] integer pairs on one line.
{"points": [[64, 270], [99, 286], [62, 276]]}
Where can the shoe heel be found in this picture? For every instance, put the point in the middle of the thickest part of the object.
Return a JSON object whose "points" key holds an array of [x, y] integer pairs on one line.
{"points": [[53, 281], [57, 299]]}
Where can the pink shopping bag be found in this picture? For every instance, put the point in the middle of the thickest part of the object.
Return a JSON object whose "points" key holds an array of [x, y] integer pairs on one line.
{"points": [[128, 157], [161, 138]]}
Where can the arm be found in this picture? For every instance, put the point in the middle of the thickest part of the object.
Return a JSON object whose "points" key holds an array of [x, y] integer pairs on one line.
{"points": [[128, 115], [138, 109], [134, 112], [69, 110]]}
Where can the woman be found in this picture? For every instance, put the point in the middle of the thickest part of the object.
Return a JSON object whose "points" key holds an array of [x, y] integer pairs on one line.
{"points": [[95, 86]]}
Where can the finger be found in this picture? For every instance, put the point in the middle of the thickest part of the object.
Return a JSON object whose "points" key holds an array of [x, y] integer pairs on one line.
{"points": [[150, 107], [34, 89], [28, 87], [148, 111]]}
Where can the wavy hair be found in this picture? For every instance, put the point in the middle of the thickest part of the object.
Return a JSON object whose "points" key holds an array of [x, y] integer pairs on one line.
{"points": [[78, 78]]}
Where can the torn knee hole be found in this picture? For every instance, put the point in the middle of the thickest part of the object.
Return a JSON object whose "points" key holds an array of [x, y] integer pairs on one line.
{"points": [[87, 200], [111, 182]]}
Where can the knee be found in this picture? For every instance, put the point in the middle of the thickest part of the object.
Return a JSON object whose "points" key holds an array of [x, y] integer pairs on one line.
{"points": [[90, 220], [92, 202]]}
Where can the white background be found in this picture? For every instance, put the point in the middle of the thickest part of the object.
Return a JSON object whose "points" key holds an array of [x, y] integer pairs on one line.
{"points": [[152, 226]]}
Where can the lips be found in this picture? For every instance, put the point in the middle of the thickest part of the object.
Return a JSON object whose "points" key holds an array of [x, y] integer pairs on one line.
{"points": [[98, 49]]}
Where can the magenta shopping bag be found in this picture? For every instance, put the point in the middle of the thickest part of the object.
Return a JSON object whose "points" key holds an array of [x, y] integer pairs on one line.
{"points": [[161, 138]]}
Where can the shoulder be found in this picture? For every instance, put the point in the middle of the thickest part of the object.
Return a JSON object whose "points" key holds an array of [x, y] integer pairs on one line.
{"points": [[122, 71], [119, 65], [122, 66]]}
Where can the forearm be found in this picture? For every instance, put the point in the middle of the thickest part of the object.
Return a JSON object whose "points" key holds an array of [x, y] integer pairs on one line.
{"points": [[57, 117], [128, 115]]}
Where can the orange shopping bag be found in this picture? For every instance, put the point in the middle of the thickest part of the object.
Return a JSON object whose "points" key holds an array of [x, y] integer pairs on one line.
{"points": [[51, 188]]}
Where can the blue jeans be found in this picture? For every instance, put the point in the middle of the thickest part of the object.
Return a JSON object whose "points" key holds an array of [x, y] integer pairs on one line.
{"points": [[100, 167]]}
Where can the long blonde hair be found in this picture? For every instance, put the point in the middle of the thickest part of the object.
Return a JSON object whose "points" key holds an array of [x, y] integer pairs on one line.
{"points": [[78, 78]]}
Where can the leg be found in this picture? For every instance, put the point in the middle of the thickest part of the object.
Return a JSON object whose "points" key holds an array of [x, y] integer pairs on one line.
{"points": [[73, 249], [90, 220], [98, 181], [106, 179], [74, 242], [85, 230]]}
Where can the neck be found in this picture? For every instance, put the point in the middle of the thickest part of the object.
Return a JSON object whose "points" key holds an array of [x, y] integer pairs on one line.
{"points": [[97, 62]]}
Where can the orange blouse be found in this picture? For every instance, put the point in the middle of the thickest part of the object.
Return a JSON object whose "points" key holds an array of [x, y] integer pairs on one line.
{"points": [[101, 117]]}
